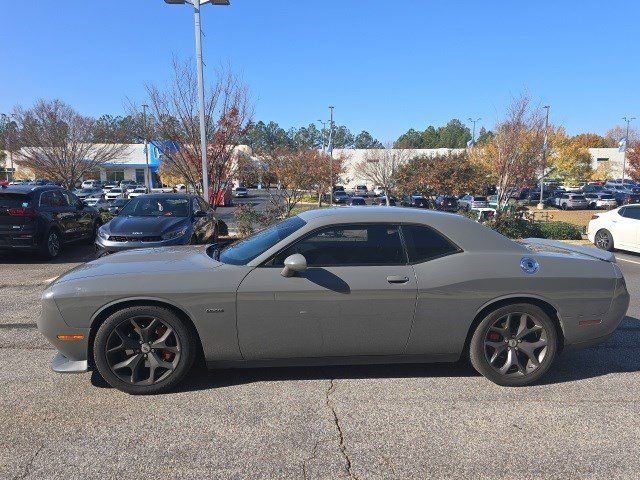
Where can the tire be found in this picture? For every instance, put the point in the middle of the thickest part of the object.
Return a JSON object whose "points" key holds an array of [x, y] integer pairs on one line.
{"points": [[90, 240], [563, 206], [541, 342], [603, 240], [158, 365], [51, 244]]}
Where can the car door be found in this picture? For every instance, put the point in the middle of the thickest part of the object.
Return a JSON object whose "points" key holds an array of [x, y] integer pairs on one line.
{"points": [[83, 218], [66, 215], [357, 297], [626, 226]]}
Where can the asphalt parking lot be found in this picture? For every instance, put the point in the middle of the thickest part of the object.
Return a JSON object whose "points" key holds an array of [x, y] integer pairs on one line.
{"points": [[375, 422]]}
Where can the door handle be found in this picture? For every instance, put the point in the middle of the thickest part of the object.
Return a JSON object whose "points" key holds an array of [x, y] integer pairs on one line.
{"points": [[397, 279]]}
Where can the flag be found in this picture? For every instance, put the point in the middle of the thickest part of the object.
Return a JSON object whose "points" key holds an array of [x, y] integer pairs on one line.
{"points": [[622, 145]]}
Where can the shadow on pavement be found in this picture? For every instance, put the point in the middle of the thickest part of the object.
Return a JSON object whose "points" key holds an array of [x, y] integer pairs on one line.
{"points": [[618, 355], [70, 254]]}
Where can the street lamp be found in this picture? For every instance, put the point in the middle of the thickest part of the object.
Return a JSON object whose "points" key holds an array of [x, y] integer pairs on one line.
{"points": [[331, 155], [544, 158], [626, 145], [147, 177], [198, 31], [473, 135], [324, 127]]}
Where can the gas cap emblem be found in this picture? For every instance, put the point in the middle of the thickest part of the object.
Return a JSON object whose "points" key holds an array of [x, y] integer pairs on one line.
{"points": [[529, 265]]}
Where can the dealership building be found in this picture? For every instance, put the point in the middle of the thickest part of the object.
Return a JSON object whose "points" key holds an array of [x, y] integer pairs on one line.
{"points": [[133, 164]]}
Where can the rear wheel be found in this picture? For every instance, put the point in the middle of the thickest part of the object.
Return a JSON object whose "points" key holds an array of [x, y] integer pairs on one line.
{"points": [[563, 206], [144, 350], [51, 245], [514, 345], [604, 240]]}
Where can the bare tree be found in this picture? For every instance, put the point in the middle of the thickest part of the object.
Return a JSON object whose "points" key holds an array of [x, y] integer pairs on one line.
{"points": [[514, 156], [380, 167], [227, 119], [59, 142]]}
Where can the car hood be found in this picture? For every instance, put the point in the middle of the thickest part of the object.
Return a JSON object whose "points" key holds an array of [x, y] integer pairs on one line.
{"points": [[151, 226], [145, 260]]}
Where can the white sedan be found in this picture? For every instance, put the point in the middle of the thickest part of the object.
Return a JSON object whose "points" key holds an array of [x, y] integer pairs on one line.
{"points": [[117, 192], [618, 228], [137, 192]]}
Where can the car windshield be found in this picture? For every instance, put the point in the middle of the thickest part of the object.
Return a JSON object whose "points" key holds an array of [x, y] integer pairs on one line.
{"points": [[242, 252], [479, 199], [606, 197], [156, 207]]}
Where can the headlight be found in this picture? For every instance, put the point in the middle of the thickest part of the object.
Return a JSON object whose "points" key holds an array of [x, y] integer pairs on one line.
{"points": [[175, 234], [102, 233]]}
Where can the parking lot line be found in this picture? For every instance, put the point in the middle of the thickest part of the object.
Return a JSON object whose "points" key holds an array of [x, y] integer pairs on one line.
{"points": [[627, 260], [49, 280]]}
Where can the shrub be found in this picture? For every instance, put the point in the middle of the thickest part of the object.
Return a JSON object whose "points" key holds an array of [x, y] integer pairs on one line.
{"points": [[514, 227], [246, 218], [559, 230]]}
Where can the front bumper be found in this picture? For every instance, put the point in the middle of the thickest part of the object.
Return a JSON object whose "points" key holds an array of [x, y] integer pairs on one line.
{"points": [[72, 355], [62, 364], [109, 246]]}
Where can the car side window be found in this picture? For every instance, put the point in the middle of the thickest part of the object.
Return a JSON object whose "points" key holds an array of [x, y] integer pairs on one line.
{"points": [[349, 245], [46, 199], [59, 200], [70, 198], [631, 212], [424, 243]]}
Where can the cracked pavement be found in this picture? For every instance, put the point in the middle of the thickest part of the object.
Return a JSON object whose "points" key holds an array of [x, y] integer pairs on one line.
{"points": [[364, 422]]}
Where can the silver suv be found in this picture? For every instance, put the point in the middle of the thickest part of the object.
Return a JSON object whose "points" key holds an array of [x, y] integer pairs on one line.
{"points": [[568, 201]]}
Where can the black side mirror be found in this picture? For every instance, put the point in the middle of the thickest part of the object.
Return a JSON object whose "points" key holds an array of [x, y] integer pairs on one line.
{"points": [[200, 213]]}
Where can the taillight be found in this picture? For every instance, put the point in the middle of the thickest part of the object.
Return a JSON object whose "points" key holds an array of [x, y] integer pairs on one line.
{"points": [[594, 216], [23, 212]]}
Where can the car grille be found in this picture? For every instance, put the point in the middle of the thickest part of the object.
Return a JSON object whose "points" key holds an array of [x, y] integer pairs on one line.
{"points": [[121, 238]]}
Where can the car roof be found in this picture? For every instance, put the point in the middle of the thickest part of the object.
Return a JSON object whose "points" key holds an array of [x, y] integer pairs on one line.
{"points": [[26, 189]]}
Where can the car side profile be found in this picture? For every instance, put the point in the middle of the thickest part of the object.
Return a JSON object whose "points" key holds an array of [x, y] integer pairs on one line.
{"points": [[335, 286], [616, 229], [42, 219]]}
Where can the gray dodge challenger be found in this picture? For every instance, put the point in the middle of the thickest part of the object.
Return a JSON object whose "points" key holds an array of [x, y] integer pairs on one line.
{"points": [[335, 286]]}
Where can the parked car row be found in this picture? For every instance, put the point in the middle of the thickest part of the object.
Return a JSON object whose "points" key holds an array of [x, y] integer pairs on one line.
{"points": [[44, 218]]}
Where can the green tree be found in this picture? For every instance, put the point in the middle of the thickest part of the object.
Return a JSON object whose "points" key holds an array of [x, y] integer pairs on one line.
{"points": [[452, 135], [365, 140]]}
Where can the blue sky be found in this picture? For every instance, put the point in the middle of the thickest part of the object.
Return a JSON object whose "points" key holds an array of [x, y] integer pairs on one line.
{"points": [[385, 65]]}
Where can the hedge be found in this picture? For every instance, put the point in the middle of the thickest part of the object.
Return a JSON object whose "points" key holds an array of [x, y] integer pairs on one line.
{"points": [[514, 227]]}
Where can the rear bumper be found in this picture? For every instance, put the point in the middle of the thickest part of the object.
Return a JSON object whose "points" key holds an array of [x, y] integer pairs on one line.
{"points": [[18, 241]]}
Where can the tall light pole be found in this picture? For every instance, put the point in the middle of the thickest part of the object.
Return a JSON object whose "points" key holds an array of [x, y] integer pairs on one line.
{"points": [[544, 158], [147, 176], [331, 155], [626, 145], [324, 127], [198, 31], [473, 135]]}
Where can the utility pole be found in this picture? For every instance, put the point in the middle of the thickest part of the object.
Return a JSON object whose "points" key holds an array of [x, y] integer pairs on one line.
{"points": [[324, 127], [544, 158], [473, 135], [147, 173], [626, 145], [331, 155]]}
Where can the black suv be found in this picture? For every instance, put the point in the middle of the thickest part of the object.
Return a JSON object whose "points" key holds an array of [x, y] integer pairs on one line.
{"points": [[43, 218]]}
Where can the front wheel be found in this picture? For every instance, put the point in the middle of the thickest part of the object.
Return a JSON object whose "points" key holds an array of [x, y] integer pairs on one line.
{"points": [[144, 350], [514, 345]]}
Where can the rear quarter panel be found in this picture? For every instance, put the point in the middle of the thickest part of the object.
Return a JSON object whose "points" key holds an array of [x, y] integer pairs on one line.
{"points": [[452, 290]]}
